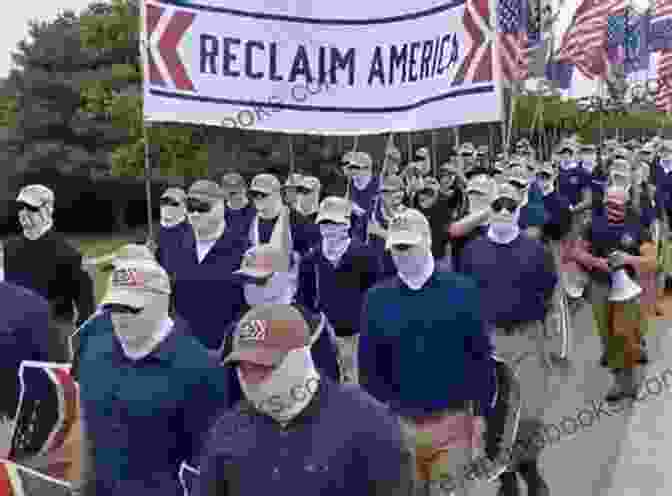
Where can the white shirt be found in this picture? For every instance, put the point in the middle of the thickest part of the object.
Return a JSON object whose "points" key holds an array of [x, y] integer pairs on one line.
{"points": [[203, 248]]}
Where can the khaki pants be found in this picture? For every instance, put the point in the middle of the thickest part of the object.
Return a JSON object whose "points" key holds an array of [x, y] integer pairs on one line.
{"points": [[525, 349], [347, 358], [443, 445]]}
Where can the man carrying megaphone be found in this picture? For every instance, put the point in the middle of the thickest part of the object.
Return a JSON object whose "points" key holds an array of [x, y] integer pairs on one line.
{"points": [[613, 247]]}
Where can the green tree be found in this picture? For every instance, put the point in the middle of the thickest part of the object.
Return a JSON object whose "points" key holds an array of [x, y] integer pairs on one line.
{"points": [[112, 31]]}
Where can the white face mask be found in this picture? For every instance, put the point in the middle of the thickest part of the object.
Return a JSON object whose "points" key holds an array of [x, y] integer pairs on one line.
{"points": [[414, 265], [269, 207], [135, 331], [172, 216], [335, 240], [309, 203], [666, 163], [547, 186], [504, 225], [278, 290], [289, 388], [588, 162], [361, 179], [478, 203], [35, 224], [620, 181], [237, 200], [209, 226]]}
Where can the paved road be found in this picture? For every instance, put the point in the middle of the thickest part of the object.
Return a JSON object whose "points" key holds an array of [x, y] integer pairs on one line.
{"points": [[616, 453]]}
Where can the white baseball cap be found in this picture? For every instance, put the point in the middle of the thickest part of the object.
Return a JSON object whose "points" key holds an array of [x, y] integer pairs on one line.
{"points": [[409, 227]]}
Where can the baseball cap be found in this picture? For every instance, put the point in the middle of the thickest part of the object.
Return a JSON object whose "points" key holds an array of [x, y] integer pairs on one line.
{"points": [[265, 183], [177, 194], [409, 227], [361, 160], [620, 167], [430, 183], [294, 180], [262, 261], [448, 168], [36, 195], [312, 183], [505, 190], [518, 175], [267, 333], [335, 209], [479, 184], [393, 152], [422, 152], [466, 148], [392, 184], [136, 276], [206, 189], [233, 182], [665, 146]]}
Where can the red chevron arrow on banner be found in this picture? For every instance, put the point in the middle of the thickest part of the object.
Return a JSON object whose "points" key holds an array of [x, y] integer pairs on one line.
{"points": [[477, 24], [154, 13], [177, 26]]}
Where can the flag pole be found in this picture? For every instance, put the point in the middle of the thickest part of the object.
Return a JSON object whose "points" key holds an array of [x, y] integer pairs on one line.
{"points": [[435, 154], [290, 143], [144, 47]]}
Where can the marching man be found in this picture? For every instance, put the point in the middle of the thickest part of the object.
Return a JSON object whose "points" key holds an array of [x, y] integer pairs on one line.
{"points": [[516, 276]]}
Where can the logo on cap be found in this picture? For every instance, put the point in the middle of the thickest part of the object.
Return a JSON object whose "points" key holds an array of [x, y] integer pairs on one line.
{"points": [[254, 330], [400, 223], [128, 277]]}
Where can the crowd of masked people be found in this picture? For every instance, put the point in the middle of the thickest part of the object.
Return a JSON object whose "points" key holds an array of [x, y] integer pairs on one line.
{"points": [[275, 340]]}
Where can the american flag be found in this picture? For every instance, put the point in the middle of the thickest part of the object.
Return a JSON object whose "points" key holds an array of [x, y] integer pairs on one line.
{"points": [[512, 17], [584, 41]]}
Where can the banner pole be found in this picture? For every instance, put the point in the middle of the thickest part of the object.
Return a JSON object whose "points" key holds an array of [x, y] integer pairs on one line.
{"points": [[435, 154], [290, 143], [148, 182], [409, 137]]}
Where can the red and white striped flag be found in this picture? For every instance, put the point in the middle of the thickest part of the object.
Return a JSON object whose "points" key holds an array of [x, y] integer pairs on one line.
{"points": [[584, 42]]}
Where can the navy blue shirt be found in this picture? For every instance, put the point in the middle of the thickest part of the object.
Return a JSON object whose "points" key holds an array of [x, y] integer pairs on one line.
{"points": [[516, 279], [339, 291], [207, 294], [344, 442], [144, 417], [170, 241], [24, 335], [559, 221], [424, 351], [304, 233]]}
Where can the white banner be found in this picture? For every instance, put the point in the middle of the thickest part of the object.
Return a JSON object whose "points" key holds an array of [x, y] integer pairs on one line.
{"points": [[321, 67]]}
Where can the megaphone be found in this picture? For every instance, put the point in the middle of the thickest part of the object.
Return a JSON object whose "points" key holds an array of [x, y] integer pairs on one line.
{"points": [[622, 287]]}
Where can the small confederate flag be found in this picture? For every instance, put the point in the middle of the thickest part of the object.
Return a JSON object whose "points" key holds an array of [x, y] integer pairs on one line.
{"points": [[47, 409]]}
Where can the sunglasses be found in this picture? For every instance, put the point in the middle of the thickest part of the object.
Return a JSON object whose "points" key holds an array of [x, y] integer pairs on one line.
{"points": [[122, 309], [466, 155], [198, 206], [27, 206], [301, 190], [258, 195], [504, 203], [518, 186], [402, 247], [426, 192], [168, 202]]}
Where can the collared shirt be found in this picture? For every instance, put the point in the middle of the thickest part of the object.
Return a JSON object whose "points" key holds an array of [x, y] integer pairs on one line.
{"points": [[248, 453], [145, 417]]}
